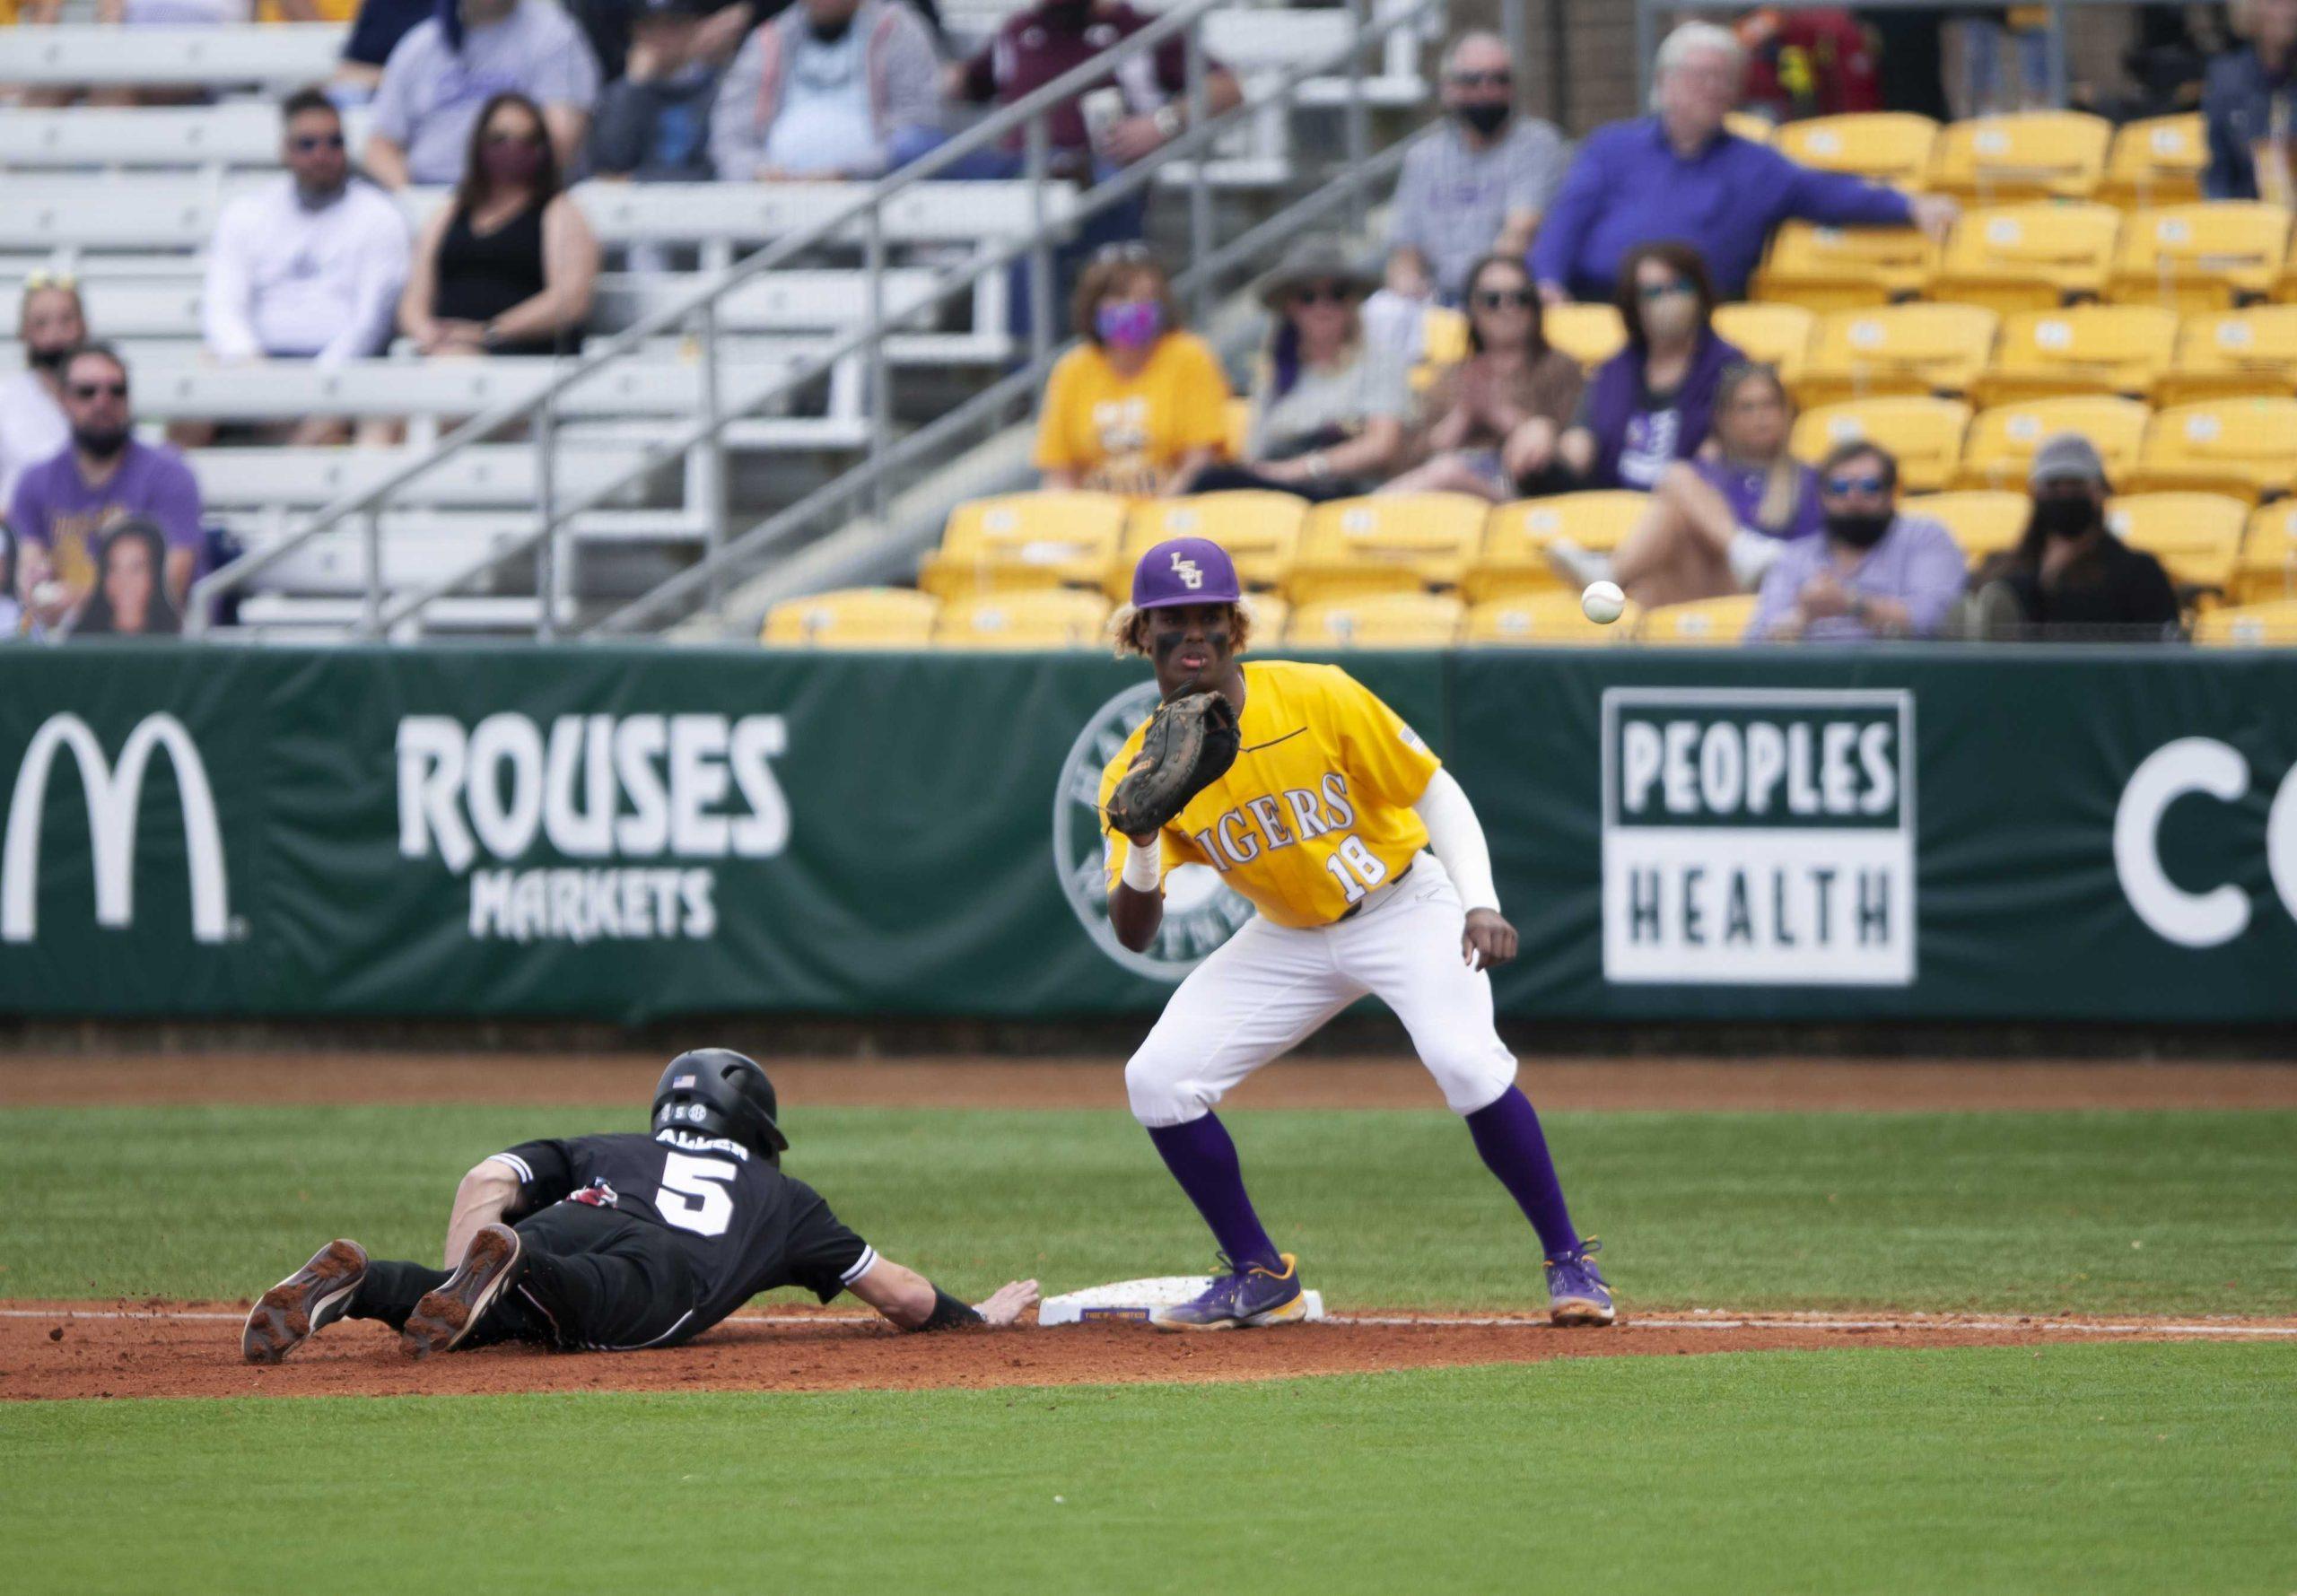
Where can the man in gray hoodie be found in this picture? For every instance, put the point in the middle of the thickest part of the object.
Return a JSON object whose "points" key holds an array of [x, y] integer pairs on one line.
{"points": [[653, 122], [822, 91]]}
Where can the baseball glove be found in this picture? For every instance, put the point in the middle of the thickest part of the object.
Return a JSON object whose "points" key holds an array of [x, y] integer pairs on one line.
{"points": [[1190, 744]]}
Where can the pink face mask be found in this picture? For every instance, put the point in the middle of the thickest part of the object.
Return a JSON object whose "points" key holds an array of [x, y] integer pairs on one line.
{"points": [[513, 161], [1132, 324]]}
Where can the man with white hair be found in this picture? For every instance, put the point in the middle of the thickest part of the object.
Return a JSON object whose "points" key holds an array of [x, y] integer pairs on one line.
{"points": [[1479, 185], [1681, 174]]}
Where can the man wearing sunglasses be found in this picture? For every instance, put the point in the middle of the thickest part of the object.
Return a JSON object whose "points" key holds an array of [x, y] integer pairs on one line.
{"points": [[309, 266], [1476, 188], [1875, 574], [62, 505]]}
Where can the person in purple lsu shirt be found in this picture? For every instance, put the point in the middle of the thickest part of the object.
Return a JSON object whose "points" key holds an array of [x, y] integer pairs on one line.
{"points": [[1681, 174], [1715, 525], [1651, 403], [62, 505]]}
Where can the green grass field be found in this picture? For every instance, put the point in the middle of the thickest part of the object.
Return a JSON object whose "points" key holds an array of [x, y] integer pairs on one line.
{"points": [[2090, 1467]]}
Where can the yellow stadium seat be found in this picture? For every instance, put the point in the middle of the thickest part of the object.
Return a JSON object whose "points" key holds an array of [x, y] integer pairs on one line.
{"points": [[1385, 543], [853, 618], [1259, 530], [1880, 146], [1551, 620], [2027, 258], [1985, 524], [1926, 435], [1898, 349], [2196, 537], [2230, 353], [2267, 567], [2246, 447], [1239, 419], [2080, 349], [2272, 625], [2030, 155], [1271, 617], [1029, 618], [1443, 342], [2003, 440], [2200, 257], [2158, 161], [1710, 622], [1589, 334], [1024, 540], [1838, 268], [1377, 620], [1512, 561], [1777, 335]]}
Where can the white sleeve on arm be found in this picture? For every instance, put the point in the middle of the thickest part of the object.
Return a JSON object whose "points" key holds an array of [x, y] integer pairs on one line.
{"points": [[1456, 837]]}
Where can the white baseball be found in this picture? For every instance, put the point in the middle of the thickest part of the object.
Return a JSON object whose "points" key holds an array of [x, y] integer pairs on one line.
{"points": [[1603, 603]]}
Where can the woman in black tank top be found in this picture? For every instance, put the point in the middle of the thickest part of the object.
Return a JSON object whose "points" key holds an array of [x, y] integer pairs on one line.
{"points": [[509, 267]]}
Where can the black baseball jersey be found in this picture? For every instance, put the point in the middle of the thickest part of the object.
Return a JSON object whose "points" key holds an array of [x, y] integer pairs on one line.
{"points": [[742, 1226]]}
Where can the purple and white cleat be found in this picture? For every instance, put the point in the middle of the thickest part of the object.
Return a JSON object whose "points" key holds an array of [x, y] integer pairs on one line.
{"points": [[1241, 1299], [1577, 1291]]}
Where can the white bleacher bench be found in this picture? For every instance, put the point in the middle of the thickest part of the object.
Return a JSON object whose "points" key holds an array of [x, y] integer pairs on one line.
{"points": [[124, 310], [292, 618], [489, 475], [239, 133], [777, 302], [267, 52]]}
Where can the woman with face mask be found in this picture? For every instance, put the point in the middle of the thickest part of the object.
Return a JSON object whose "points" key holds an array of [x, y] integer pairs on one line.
{"points": [[2070, 580], [1715, 525], [1651, 403], [509, 267], [1140, 407]]}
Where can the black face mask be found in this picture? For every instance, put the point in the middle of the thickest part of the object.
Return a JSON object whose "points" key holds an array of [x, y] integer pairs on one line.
{"points": [[47, 360], [1860, 531], [830, 32], [1485, 120], [2065, 517], [99, 445]]}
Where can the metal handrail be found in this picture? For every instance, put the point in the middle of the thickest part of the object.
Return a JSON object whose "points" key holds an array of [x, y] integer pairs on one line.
{"points": [[884, 457], [865, 207]]}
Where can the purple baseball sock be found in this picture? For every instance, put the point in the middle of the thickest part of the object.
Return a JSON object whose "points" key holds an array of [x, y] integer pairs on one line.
{"points": [[1507, 1134], [1203, 1160]]}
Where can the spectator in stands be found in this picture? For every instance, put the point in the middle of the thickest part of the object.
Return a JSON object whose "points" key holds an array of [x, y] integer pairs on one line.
{"points": [[829, 89], [1140, 407], [1681, 174], [50, 323], [375, 32], [2250, 101], [1478, 185], [309, 266], [1717, 524], [446, 69], [1328, 409], [2070, 579], [654, 120], [1875, 573], [1056, 36], [509, 267], [127, 600], [1493, 423], [62, 505], [1651, 403]]}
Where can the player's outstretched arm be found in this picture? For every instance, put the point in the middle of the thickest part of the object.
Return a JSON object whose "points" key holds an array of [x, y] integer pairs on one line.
{"points": [[915, 1302], [488, 1192], [1456, 836]]}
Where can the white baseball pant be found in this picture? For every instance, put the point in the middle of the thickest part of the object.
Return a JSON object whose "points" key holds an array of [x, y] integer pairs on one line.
{"points": [[1268, 987]]}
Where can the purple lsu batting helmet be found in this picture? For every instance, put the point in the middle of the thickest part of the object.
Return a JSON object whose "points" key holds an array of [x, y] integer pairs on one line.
{"points": [[1184, 570]]}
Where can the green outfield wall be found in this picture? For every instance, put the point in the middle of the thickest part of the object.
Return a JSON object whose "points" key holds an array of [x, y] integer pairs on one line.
{"points": [[630, 834]]}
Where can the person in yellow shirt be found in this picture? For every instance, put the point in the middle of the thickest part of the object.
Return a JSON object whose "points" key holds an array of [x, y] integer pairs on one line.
{"points": [[1142, 404], [1370, 874]]}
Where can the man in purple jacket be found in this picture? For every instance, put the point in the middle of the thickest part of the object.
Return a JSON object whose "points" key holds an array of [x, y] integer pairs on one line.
{"points": [[1681, 174], [1876, 574]]}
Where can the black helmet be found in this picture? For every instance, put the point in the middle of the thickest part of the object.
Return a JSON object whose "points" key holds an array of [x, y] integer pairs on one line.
{"points": [[716, 1091]]}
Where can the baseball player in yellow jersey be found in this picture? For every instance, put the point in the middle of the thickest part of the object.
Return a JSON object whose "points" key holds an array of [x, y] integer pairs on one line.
{"points": [[1370, 874]]}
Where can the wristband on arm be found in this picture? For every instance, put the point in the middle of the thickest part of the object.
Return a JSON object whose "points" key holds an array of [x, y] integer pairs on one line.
{"points": [[949, 1313]]}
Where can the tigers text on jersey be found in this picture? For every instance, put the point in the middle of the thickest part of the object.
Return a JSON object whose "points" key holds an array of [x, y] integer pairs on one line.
{"points": [[1316, 811], [742, 1226]]}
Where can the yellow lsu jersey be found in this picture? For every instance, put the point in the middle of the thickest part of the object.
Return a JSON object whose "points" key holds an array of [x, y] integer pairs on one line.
{"points": [[1316, 811]]}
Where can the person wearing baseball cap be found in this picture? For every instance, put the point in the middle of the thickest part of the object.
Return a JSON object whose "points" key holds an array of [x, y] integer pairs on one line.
{"points": [[2070, 580], [1194, 573]]}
